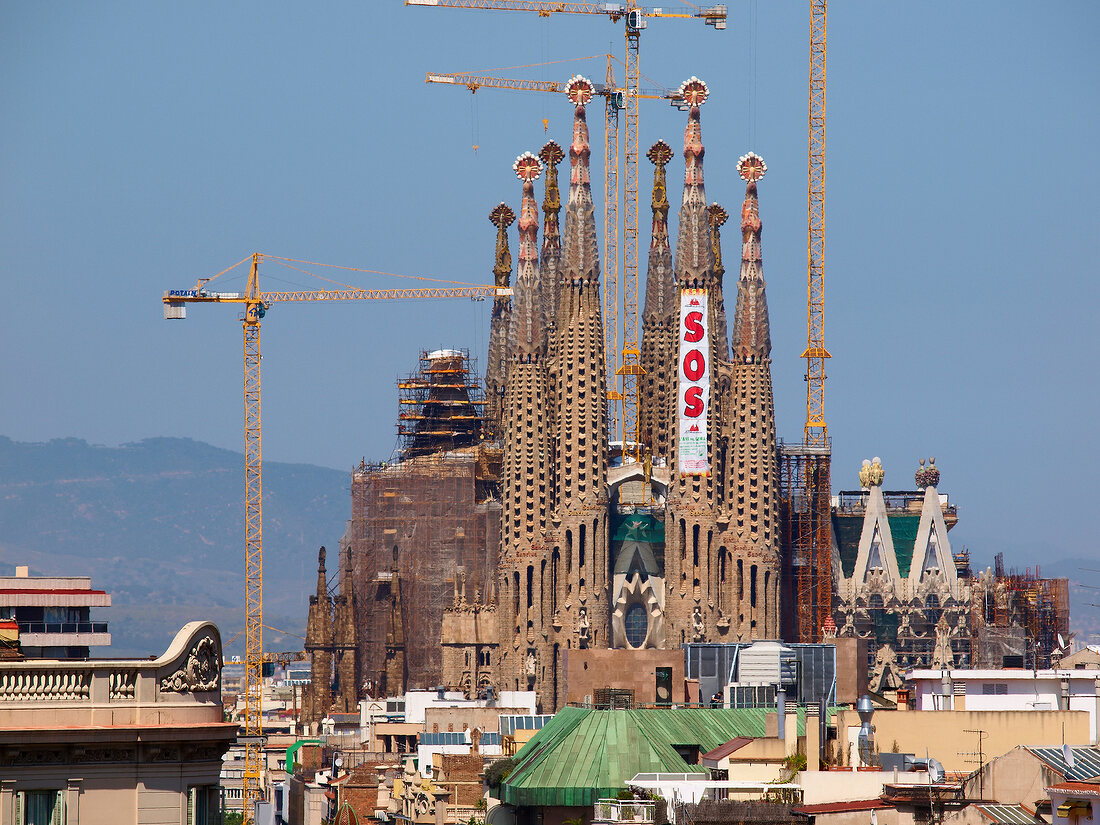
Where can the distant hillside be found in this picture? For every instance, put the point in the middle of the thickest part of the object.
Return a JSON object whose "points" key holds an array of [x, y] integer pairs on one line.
{"points": [[160, 525]]}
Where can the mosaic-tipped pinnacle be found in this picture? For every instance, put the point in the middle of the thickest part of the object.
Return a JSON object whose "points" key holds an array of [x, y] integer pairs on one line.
{"points": [[579, 89], [527, 167], [551, 154], [751, 167], [659, 154], [502, 215], [693, 91]]}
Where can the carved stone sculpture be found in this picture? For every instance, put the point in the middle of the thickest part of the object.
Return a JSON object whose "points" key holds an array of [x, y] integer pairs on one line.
{"points": [[200, 671]]}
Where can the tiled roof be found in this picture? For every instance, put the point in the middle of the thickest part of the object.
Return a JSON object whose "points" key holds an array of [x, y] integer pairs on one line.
{"points": [[582, 755], [722, 751], [1086, 762], [1007, 814], [875, 804]]}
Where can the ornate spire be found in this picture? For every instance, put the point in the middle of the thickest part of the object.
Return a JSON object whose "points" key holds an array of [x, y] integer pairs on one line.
{"points": [[582, 262], [660, 288], [658, 356], [501, 217], [716, 217], [550, 261], [694, 257], [526, 310], [322, 577], [751, 338], [929, 477]]}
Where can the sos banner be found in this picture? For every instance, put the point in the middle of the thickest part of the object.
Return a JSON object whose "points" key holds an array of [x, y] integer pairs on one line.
{"points": [[694, 397]]}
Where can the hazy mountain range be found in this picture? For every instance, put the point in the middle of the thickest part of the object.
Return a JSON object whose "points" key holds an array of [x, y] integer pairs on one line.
{"points": [[159, 524]]}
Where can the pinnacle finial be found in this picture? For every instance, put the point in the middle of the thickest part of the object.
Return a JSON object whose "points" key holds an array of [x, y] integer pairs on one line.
{"points": [[751, 167], [579, 89], [502, 217], [694, 92], [716, 217], [751, 333], [526, 316], [694, 256], [659, 154], [551, 154], [527, 167], [581, 254]]}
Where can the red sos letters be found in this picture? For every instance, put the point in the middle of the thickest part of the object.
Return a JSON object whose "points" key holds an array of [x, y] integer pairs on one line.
{"points": [[694, 385]]}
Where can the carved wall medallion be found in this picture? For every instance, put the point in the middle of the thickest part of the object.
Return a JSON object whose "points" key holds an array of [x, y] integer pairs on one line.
{"points": [[201, 671]]}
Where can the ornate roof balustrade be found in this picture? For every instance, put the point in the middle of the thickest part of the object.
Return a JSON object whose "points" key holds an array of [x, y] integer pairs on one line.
{"points": [[183, 686]]}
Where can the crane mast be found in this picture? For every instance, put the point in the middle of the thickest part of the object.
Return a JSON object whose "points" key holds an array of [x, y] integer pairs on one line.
{"points": [[256, 304], [630, 367], [253, 545], [806, 468], [816, 431], [612, 103]]}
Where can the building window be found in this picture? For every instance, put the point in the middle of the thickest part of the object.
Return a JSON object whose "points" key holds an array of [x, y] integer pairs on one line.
{"points": [[636, 624], [202, 805], [38, 808], [995, 689]]}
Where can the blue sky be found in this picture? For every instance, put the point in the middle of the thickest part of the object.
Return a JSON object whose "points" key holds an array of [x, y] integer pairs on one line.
{"points": [[146, 145]]}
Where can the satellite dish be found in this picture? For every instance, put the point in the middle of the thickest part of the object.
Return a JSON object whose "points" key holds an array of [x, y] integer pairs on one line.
{"points": [[501, 815], [1067, 754], [1061, 642]]}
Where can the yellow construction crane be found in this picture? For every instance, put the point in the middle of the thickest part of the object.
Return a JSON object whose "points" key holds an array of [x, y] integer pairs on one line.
{"points": [[255, 304], [808, 466], [816, 431], [614, 101], [635, 19]]}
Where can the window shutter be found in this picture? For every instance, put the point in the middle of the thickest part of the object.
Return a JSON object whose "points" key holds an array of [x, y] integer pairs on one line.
{"points": [[19, 807], [190, 806]]}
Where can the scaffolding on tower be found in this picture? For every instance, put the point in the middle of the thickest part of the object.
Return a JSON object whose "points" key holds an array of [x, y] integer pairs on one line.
{"points": [[442, 406], [425, 525], [805, 521]]}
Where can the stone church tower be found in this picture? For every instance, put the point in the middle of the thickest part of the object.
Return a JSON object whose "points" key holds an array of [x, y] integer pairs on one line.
{"points": [[331, 640], [657, 394], [580, 428], [692, 543], [752, 472], [524, 520]]}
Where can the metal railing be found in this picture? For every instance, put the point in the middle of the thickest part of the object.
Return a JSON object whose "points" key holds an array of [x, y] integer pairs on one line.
{"points": [[62, 627], [625, 810]]}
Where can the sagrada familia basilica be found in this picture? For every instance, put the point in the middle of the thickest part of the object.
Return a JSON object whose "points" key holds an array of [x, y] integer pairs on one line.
{"points": [[597, 551], [513, 529]]}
